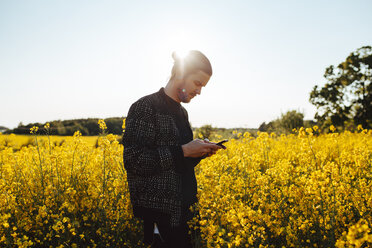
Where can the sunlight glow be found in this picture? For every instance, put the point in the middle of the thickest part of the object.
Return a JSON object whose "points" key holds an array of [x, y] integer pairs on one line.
{"points": [[182, 53], [181, 43]]}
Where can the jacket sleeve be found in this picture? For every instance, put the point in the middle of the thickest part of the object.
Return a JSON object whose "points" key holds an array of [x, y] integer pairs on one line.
{"points": [[141, 156]]}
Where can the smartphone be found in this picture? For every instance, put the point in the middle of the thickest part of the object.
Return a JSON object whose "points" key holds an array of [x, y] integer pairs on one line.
{"points": [[221, 142]]}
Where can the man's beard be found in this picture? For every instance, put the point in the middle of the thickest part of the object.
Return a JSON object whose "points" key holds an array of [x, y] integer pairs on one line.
{"points": [[183, 94]]}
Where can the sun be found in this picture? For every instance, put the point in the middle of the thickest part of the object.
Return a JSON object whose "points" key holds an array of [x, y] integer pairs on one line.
{"points": [[181, 53], [180, 43]]}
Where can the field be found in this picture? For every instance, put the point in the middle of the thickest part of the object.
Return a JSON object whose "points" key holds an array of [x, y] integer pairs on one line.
{"points": [[300, 190], [19, 141]]}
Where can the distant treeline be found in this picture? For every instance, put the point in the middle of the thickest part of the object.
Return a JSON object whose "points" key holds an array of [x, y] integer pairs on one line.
{"points": [[285, 124], [69, 127], [115, 126]]}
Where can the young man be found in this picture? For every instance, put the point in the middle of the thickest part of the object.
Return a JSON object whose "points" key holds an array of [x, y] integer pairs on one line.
{"points": [[160, 153]]}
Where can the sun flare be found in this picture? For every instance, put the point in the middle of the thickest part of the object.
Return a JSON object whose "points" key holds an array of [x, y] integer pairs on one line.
{"points": [[181, 53]]}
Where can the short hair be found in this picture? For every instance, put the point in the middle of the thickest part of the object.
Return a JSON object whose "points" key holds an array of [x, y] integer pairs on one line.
{"points": [[191, 63]]}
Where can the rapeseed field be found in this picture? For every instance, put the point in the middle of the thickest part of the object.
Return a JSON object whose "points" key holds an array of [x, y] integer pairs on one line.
{"points": [[305, 189]]}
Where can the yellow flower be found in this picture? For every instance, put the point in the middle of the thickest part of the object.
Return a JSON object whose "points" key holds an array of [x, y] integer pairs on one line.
{"points": [[34, 129], [102, 124], [123, 126], [77, 134], [309, 130], [332, 128]]}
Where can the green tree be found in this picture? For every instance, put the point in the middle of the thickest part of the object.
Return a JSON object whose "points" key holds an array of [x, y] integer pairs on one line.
{"points": [[267, 127], [291, 119], [285, 124], [346, 99]]}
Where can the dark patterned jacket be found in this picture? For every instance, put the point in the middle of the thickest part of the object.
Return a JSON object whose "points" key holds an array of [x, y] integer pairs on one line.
{"points": [[153, 158]]}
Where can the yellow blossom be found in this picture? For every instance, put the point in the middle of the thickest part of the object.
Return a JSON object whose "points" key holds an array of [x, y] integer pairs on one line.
{"points": [[102, 124], [123, 126], [34, 129], [332, 128]]}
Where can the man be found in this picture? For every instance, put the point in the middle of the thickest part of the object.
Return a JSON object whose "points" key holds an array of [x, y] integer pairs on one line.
{"points": [[160, 153]]}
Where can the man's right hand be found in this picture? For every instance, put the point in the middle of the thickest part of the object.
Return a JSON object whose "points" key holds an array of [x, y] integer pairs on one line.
{"points": [[199, 148]]}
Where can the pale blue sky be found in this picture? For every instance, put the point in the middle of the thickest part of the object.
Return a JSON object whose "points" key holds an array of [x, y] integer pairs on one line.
{"points": [[79, 59]]}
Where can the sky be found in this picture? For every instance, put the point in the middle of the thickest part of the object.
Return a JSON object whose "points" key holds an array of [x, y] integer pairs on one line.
{"points": [[92, 59]]}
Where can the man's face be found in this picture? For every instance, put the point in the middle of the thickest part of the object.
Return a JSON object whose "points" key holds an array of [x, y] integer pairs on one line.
{"points": [[192, 86]]}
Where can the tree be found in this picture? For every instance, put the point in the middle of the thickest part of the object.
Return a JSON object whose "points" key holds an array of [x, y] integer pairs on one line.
{"points": [[285, 124], [346, 98], [2, 129], [269, 127], [291, 119]]}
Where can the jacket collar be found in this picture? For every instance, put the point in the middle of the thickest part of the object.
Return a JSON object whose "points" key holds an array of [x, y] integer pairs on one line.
{"points": [[171, 104]]}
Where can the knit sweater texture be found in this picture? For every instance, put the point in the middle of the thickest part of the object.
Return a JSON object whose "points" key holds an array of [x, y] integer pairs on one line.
{"points": [[162, 182]]}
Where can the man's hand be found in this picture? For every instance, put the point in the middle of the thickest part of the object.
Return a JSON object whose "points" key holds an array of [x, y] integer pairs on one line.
{"points": [[199, 148]]}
